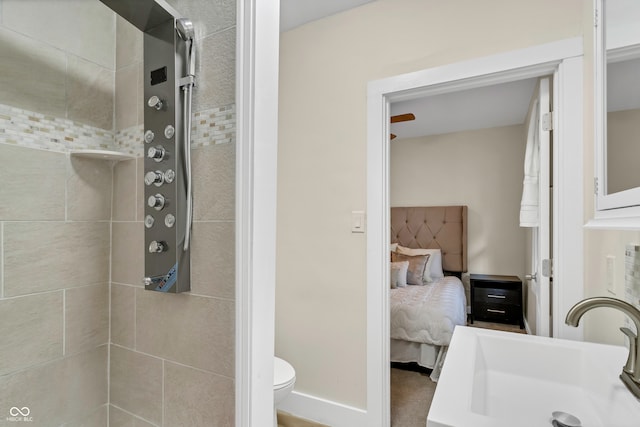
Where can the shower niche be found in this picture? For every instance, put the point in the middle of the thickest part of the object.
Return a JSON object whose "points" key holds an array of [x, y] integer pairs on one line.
{"points": [[169, 78]]}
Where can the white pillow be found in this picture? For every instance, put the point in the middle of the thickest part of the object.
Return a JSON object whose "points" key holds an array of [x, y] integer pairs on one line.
{"points": [[434, 265], [399, 274]]}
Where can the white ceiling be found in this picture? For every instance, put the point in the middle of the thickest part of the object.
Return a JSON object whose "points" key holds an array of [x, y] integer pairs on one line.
{"points": [[500, 105], [486, 107], [294, 13]]}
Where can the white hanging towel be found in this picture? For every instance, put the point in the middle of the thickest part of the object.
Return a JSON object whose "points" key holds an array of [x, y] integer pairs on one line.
{"points": [[529, 207]]}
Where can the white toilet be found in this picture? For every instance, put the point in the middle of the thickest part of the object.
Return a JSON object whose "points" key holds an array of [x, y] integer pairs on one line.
{"points": [[284, 378]]}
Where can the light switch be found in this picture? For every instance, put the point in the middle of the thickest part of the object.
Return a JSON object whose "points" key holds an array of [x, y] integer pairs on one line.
{"points": [[357, 222]]}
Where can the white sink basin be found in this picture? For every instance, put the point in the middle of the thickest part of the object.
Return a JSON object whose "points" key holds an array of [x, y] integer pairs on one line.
{"points": [[501, 379]]}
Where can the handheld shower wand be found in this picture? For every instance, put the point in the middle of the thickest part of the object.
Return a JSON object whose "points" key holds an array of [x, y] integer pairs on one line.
{"points": [[184, 28]]}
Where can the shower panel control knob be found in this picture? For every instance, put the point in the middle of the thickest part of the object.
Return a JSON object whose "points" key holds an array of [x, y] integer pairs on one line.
{"points": [[156, 247], [156, 153], [156, 178], [156, 202], [155, 102]]}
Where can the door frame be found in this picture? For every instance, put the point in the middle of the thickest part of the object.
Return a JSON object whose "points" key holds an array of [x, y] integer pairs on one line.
{"points": [[257, 47], [564, 60], [544, 234]]}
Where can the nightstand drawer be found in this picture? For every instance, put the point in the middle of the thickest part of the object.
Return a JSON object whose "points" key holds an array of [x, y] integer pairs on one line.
{"points": [[497, 312], [497, 296]]}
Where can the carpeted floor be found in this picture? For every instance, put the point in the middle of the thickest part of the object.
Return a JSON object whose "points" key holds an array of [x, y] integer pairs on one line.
{"points": [[411, 395]]}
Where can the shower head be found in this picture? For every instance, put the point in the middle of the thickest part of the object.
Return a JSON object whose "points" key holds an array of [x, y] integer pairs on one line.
{"points": [[184, 27]]}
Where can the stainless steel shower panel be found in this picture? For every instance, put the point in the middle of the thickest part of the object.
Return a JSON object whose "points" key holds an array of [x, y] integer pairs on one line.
{"points": [[143, 14], [167, 264], [167, 260]]}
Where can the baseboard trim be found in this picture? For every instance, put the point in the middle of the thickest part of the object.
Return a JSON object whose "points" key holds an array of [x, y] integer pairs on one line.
{"points": [[323, 411]]}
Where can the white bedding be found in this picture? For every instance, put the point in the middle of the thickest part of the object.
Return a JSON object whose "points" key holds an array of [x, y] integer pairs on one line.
{"points": [[428, 314]]}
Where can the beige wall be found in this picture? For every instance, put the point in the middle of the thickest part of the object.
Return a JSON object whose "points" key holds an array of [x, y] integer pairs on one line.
{"points": [[481, 169], [324, 70]]}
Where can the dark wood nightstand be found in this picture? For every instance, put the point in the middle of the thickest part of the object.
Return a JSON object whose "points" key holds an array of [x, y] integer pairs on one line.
{"points": [[496, 299]]}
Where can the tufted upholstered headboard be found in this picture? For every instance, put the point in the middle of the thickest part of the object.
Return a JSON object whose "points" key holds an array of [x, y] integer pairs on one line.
{"points": [[433, 227]]}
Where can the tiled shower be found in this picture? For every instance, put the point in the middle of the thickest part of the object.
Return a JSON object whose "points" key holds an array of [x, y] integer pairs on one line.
{"points": [[81, 342]]}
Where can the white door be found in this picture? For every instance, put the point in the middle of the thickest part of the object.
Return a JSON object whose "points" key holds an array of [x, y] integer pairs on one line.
{"points": [[540, 278]]}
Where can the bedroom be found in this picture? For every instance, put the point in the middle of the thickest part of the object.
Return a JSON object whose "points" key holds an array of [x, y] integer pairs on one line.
{"points": [[477, 163]]}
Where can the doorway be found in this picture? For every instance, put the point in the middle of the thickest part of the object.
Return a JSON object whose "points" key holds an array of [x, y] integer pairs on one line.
{"points": [[563, 60], [467, 148]]}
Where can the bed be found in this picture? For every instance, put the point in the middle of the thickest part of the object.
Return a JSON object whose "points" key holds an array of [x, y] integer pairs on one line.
{"points": [[423, 316]]}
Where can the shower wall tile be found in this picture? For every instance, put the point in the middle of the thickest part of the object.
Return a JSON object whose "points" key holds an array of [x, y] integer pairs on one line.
{"points": [[98, 418], [196, 398], [215, 70], [89, 189], [140, 93], [130, 140], [90, 93], [34, 182], [128, 43], [208, 17], [136, 383], [127, 96], [213, 259], [72, 388], [127, 253], [77, 255], [119, 418], [123, 315], [86, 318], [192, 330], [31, 331], [214, 126], [92, 22], [32, 74], [124, 190], [214, 183]]}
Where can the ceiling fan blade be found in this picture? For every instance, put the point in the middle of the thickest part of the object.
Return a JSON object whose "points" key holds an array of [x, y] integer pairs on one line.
{"points": [[392, 136], [402, 118]]}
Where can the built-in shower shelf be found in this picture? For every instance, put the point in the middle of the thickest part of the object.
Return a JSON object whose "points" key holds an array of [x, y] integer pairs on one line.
{"points": [[102, 154]]}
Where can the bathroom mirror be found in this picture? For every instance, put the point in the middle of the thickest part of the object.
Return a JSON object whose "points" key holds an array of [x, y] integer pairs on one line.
{"points": [[617, 104]]}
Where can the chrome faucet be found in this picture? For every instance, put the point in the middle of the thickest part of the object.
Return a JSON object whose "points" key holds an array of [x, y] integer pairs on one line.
{"points": [[630, 375]]}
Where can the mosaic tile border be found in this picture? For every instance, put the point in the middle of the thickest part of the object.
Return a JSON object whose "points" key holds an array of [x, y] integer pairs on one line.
{"points": [[214, 126], [131, 140], [35, 130]]}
